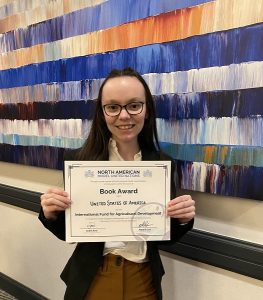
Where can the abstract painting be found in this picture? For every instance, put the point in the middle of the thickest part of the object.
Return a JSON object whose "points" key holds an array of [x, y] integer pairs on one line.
{"points": [[202, 59]]}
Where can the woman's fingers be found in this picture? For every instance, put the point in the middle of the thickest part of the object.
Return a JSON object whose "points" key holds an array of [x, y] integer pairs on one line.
{"points": [[54, 201], [182, 207]]}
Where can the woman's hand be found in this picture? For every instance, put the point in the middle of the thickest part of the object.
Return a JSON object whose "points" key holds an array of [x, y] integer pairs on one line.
{"points": [[53, 202], [182, 208]]}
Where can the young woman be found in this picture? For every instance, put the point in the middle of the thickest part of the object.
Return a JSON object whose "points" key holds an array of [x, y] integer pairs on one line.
{"points": [[124, 128]]}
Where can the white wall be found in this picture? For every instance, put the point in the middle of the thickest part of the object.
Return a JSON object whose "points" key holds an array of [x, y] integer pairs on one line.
{"points": [[186, 279], [30, 178], [32, 256], [235, 217]]}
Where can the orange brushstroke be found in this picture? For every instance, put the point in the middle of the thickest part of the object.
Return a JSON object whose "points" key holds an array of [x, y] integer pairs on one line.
{"points": [[23, 57], [51, 10], [209, 152], [167, 27], [223, 153], [171, 26], [66, 6]]}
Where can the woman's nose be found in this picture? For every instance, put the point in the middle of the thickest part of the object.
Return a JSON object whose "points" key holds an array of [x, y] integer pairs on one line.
{"points": [[124, 114]]}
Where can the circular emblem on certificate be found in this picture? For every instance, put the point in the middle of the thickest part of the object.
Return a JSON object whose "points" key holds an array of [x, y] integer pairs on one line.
{"points": [[149, 221]]}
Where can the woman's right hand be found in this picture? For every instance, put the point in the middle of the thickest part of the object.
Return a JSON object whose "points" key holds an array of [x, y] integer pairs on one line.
{"points": [[53, 202]]}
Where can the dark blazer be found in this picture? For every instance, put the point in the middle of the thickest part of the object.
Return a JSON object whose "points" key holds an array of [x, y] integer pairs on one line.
{"points": [[82, 266]]}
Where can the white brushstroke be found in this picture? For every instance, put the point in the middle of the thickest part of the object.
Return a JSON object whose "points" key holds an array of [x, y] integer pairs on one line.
{"points": [[29, 12], [71, 128], [194, 178], [224, 131]]}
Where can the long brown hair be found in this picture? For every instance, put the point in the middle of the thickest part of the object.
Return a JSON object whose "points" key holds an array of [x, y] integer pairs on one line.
{"points": [[96, 145]]}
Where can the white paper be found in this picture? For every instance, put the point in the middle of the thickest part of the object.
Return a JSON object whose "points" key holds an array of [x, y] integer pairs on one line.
{"points": [[117, 200]]}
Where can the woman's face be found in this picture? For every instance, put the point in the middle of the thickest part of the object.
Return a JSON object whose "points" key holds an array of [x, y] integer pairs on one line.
{"points": [[122, 91]]}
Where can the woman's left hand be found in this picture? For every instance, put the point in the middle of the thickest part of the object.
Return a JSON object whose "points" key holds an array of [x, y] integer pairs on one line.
{"points": [[182, 208]]}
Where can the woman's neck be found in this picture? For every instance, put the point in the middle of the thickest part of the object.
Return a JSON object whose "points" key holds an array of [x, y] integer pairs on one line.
{"points": [[127, 150]]}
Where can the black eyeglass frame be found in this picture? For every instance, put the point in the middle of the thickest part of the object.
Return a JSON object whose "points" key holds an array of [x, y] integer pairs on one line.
{"points": [[123, 106]]}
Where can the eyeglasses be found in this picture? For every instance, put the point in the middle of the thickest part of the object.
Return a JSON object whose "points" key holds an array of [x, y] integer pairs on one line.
{"points": [[133, 108]]}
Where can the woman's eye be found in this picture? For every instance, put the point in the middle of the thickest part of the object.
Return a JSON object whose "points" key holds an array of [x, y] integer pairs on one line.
{"points": [[112, 107], [134, 106]]}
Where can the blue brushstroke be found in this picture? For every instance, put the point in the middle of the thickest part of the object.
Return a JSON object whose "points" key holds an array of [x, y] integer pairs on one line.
{"points": [[185, 84], [27, 140], [214, 49], [89, 19], [48, 110], [236, 155], [40, 156], [235, 181], [238, 103]]}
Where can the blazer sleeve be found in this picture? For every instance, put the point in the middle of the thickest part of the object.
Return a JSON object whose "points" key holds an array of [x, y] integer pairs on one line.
{"points": [[57, 227]]}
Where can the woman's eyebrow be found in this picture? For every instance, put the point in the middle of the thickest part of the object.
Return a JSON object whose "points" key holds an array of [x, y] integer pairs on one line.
{"points": [[111, 101]]}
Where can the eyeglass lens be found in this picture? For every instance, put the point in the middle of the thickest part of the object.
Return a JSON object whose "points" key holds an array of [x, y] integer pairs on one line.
{"points": [[132, 108]]}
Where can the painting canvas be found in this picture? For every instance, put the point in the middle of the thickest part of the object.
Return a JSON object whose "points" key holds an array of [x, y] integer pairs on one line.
{"points": [[203, 61]]}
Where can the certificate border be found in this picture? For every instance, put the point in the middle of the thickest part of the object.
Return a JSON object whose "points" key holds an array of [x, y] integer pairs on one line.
{"points": [[156, 165]]}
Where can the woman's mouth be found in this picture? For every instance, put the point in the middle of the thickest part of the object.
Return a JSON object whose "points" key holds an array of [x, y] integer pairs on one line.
{"points": [[125, 127]]}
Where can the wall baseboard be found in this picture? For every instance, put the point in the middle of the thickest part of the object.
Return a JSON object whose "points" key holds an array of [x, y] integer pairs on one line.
{"points": [[221, 251], [20, 197], [18, 290]]}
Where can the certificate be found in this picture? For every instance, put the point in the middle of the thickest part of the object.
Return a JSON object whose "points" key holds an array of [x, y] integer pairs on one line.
{"points": [[117, 200]]}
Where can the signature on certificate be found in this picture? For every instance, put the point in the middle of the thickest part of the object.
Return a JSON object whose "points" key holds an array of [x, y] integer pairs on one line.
{"points": [[145, 224]]}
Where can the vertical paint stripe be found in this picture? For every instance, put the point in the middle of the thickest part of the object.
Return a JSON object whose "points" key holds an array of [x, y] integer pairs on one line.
{"points": [[230, 181], [203, 51]]}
